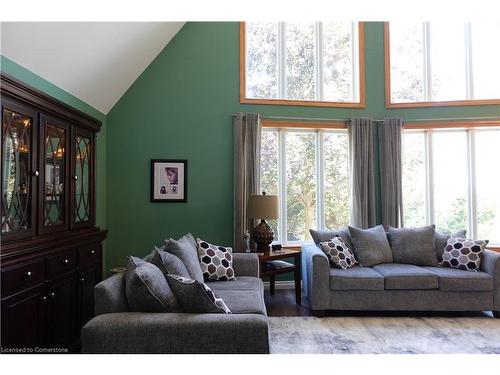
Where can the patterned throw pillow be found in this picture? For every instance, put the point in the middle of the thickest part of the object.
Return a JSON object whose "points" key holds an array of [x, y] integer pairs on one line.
{"points": [[338, 253], [216, 261], [195, 297], [463, 254]]}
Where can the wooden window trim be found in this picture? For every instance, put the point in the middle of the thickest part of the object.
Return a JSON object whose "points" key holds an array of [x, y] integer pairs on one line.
{"points": [[303, 125], [450, 125], [307, 103], [387, 79]]}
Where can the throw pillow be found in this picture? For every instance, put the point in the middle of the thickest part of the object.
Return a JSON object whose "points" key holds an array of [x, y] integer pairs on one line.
{"points": [[326, 235], [370, 246], [169, 263], [339, 254], [195, 297], [216, 261], [187, 253], [440, 240], [147, 289], [413, 245], [463, 254]]}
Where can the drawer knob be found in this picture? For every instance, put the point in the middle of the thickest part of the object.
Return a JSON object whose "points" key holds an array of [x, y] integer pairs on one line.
{"points": [[35, 173], [82, 280], [52, 295], [43, 298], [28, 274], [75, 178], [92, 252], [65, 261]]}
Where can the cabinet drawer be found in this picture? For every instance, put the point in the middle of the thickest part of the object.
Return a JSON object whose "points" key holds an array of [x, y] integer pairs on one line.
{"points": [[63, 262], [89, 254], [22, 276]]}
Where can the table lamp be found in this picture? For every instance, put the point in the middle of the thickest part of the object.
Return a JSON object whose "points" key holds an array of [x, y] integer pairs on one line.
{"points": [[262, 207]]}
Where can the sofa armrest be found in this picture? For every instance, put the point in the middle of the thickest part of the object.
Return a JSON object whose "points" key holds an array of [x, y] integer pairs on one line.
{"points": [[110, 295], [316, 276], [490, 263], [135, 332], [246, 264]]}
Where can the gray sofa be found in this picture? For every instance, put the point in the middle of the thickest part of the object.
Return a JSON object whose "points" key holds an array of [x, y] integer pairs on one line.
{"points": [[400, 286], [114, 329]]}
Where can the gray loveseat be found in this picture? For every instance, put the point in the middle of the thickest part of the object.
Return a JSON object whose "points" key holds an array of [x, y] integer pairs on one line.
{"points": [[114, 329], [403, 287]]}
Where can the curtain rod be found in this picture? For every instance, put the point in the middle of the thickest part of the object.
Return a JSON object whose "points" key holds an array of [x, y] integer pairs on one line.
{"points": [[406, 120]]}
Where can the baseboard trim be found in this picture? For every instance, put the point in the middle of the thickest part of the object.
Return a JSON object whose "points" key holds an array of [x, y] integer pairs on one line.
{"points": [[281, 285]]}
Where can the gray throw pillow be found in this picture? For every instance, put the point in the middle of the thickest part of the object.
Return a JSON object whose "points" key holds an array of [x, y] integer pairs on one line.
{"points": [[326, 235], [188, 254], [413, 245], [440, 240], [146, 288], [169, 263], [196, 297], [370, 246]]}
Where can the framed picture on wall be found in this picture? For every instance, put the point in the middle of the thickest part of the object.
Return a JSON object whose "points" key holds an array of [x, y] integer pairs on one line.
{"points": [[168, 180]]}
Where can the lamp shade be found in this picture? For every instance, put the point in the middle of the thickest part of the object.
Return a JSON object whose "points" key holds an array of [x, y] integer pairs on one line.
{"points": [[262, 206]]}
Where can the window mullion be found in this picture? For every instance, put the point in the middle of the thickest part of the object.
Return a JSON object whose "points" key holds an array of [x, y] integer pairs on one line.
{"points": [[320, 195], [472, 192], [281, 60], [282, 185], [427, 82], [469, 82], [318, 60], [429, 172]]}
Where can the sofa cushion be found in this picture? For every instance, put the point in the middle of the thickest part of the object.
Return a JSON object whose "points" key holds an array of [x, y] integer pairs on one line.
{"points": [[407, 277], [413, 245], [242, 283], [338, 253], [455, 280], [247, 302], [147, 289], [463, 254], [356, 278], [371, 246], [440, 240], [195, 297], [326, 235], [185, 251], [216, 261], [168, 263]]}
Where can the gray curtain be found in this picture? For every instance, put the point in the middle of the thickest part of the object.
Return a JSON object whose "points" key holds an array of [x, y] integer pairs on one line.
{"points": [[247, 138], [362, 172], [390, 157]]}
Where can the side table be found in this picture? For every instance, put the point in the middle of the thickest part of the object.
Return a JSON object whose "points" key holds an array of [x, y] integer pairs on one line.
{"points": [[272, 272]]}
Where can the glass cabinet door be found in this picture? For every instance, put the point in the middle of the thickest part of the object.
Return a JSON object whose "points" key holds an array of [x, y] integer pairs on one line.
{"points": [[53, 210], [82, 203], [17, 170]]}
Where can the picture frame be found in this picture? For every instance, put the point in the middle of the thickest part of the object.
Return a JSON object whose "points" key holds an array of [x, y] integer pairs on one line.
{"points": [[168, 180]]}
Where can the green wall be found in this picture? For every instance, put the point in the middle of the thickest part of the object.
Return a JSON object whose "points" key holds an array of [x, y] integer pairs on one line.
{"points": [[17, 71], [180, 107]]}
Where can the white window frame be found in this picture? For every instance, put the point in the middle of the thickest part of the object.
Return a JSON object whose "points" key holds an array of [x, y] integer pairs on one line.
{"points": [[358, 73], [427, 73], [282, 180]]}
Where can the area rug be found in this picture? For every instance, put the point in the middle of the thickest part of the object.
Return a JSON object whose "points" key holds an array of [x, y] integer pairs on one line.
{"points": [[384, 335]]}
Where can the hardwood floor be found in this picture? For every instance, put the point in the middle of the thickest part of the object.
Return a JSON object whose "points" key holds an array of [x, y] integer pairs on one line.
{"points": [[282, 303]]}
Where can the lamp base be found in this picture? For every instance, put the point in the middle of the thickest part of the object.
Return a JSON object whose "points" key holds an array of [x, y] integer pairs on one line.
{"points": [[263, 236]]}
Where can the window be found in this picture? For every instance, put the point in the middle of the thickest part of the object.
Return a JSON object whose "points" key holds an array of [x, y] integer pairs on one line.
{"points": [[445, 63], [308, 170], [451, 179], [310, 63]]}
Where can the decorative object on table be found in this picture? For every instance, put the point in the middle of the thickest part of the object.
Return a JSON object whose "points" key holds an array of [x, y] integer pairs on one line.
{"points": [[196, 297], [168, 180], [463, 254], [276, 247], [338, 253], [262, 207], [216, 261], [117, 270]]}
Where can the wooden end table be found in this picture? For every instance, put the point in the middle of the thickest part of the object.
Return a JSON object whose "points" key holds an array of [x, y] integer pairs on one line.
{"points": [[272, 272]]}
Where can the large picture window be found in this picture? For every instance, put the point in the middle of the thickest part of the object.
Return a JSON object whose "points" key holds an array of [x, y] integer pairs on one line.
{"points": [[442, 63], [450, 178], [310, 63], [308, 170]]}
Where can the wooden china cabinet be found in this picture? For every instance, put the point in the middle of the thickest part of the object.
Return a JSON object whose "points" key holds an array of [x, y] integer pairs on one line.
{"points": [[51, 250]]}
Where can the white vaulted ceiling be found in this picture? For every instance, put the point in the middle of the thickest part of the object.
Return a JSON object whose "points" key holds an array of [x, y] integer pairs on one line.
{"points": [[95, 61]]}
